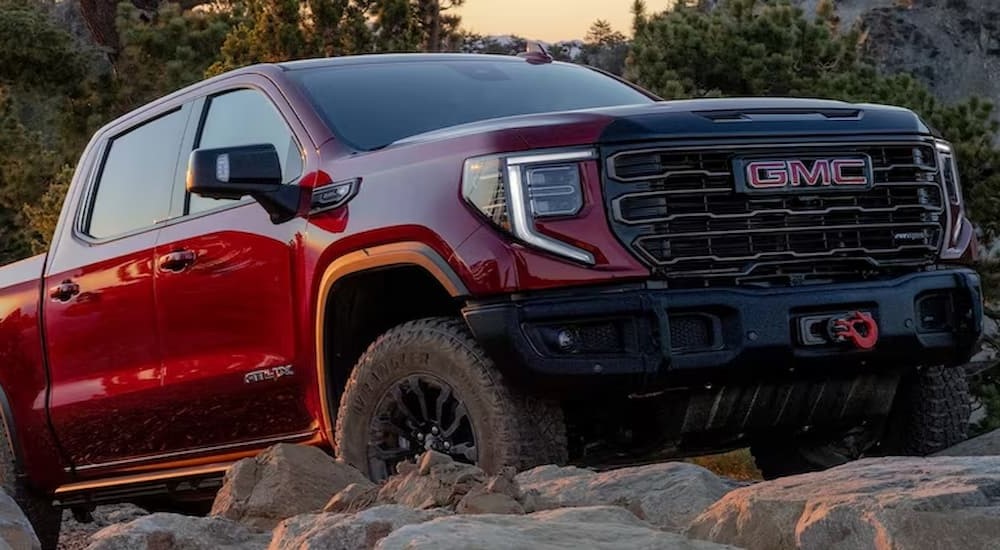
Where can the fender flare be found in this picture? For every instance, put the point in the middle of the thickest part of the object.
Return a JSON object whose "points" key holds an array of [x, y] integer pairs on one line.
{"points": [[378, 257]]}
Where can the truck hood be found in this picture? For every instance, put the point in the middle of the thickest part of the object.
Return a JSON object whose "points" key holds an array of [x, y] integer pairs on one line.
{"points": [[749, 117], [701, 118]]}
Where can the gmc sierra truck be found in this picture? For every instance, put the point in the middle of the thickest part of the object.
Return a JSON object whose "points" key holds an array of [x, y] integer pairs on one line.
{"points": [[507, 259]]}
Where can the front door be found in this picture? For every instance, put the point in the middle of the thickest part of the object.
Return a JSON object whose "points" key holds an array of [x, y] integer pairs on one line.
{"points": [[108, 403], [225, 289]]}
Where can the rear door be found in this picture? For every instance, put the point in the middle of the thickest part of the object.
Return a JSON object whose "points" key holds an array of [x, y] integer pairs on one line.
{"points": [[226, 293], [108, 403]]}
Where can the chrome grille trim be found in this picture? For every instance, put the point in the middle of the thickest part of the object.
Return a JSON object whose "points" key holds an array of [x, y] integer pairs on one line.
{"points": [[661, 218], [763, 231], [787, 211], [827, 254]]}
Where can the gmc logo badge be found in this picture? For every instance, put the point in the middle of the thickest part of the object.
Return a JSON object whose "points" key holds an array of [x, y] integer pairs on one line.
{"points": [[853, 172]]}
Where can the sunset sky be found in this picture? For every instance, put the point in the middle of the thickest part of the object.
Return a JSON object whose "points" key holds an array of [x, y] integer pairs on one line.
{"points": [[549, 20]]}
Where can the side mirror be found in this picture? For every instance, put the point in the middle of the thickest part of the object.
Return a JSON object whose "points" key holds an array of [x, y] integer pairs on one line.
{"points": [[235, 172]]}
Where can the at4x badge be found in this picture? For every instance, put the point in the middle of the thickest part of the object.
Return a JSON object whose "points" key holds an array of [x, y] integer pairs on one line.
{"points": [[858, 328], [273, 373]]}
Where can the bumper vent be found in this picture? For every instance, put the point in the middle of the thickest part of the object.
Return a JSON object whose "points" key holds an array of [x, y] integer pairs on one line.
{"points": [[691, 333], [679, 212]]}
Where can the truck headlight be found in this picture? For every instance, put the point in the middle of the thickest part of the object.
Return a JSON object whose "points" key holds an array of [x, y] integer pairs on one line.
{"points": [[483, 187], [513, 191], [952, 187], [554, 190]]}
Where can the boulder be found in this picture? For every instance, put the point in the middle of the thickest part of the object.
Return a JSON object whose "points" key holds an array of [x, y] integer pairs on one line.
{"points": [[15, 529], [436, 482], [541, 474], [480, 502], [177, 532], [594, 528], [430, 459], [900, 503], [984, 445], [284, 481], [76, 536], [501, 494], [352, 498], [669, 495], [346, 532]]}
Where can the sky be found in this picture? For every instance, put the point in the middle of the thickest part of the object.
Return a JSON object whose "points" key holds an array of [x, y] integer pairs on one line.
{"points": [[549, 20]]}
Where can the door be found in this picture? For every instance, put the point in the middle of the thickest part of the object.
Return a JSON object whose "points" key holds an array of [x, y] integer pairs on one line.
{"points": [[107, 400], [225, 290]]}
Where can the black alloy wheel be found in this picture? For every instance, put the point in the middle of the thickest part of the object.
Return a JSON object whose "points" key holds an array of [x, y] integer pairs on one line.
{"points": [[417, 414]]}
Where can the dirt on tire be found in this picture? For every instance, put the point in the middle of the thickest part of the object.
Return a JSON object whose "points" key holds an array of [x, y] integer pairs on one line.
{"points": [[512, 429], [931, 412]]}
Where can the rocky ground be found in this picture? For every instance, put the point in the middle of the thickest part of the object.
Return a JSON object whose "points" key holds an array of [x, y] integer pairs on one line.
{"points": [[299, 498]]}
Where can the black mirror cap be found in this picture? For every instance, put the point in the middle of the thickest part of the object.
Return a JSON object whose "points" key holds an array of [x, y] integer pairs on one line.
{"points": [[235, 172]]}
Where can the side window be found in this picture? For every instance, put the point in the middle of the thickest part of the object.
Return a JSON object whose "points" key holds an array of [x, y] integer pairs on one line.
{"points": [[134, 186], [246, 117]]}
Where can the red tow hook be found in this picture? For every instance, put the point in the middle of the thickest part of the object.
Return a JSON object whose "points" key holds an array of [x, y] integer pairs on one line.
{"points": [[858, 328]]}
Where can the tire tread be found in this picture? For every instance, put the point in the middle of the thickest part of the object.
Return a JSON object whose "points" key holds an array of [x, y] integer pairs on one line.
{"points": [[529, 431]]}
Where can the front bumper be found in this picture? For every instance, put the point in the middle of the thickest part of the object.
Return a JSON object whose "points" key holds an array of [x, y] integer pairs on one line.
{"points": [[640, 338]]}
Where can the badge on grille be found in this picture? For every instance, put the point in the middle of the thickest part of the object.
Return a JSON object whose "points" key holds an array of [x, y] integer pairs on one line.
{"points": [[757, 174]]}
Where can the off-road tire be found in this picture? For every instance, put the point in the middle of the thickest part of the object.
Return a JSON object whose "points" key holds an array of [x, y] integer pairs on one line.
{"points": [[512, 429], [45, 518], [929, 414]]}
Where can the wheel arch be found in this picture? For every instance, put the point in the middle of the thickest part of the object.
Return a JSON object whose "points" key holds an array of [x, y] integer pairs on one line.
{"points": [[367, 266]]}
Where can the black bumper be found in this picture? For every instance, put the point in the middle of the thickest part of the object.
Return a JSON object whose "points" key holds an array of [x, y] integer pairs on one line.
{"points": [[639, 339]]}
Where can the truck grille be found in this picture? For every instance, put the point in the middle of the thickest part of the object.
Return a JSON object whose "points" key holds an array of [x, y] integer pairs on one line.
{"points": [[679, 211]]}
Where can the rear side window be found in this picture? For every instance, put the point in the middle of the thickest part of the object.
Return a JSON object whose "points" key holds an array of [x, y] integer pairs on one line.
{"points": [[137, 178], [246, 117]]}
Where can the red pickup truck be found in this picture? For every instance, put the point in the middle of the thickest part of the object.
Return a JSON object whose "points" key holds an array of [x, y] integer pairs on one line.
{"points": [[507, 259]]}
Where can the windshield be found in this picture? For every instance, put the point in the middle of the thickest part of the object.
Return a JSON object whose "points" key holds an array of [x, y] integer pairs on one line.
{"points": [[371, 106]]}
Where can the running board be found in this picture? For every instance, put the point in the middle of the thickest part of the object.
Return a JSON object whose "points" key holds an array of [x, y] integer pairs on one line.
{"points": [[182, 481]]}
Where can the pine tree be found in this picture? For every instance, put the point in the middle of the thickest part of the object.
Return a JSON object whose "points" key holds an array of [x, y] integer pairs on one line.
{"points": [[605, 48], [437, 28], [41, 68], [602, 34], [35, 51], [270, 31], [162, 54], [638, 16], [396, 26]]}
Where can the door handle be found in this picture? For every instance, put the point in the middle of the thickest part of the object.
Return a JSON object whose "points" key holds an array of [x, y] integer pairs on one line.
{"points": [[64, 291], [177, 261]]}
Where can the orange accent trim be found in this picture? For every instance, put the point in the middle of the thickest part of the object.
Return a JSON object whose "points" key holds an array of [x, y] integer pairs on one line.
{"points": [[84, 486], [390, 255], [317, 440]]}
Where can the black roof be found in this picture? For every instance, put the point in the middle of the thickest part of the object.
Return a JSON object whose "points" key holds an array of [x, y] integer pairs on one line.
{"points": [[385, 58]]}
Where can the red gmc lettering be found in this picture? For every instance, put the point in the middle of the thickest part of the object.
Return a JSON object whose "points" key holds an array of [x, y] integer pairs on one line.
{"points": [[764, 174], [801, 175], [796, 173], [839, 178]]}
